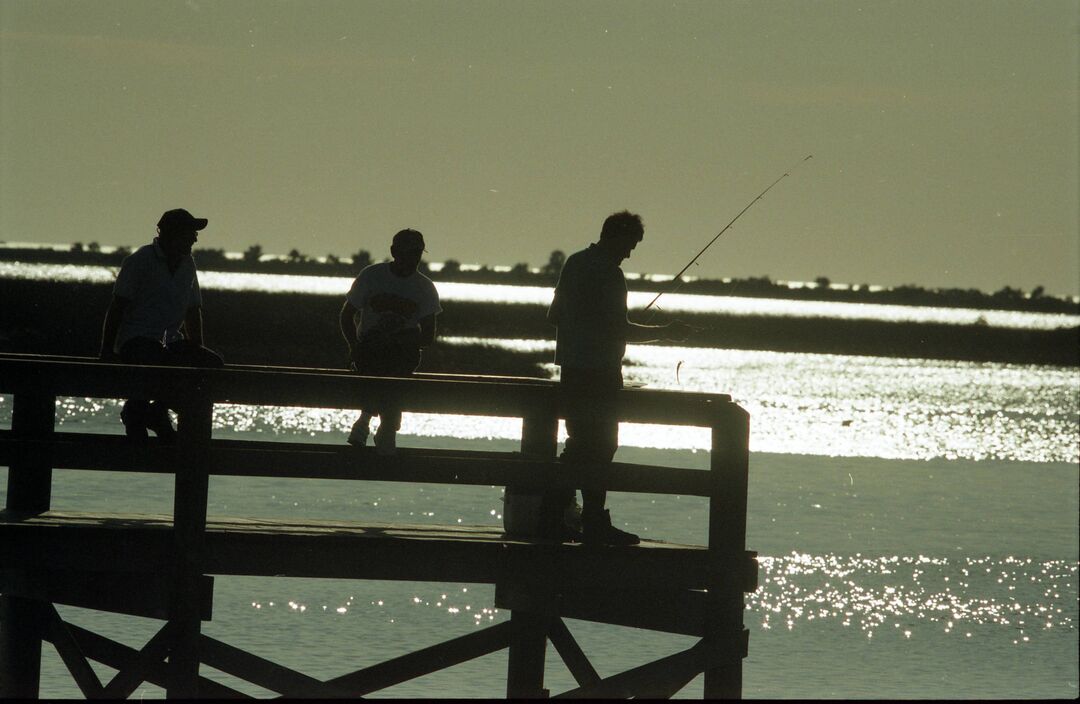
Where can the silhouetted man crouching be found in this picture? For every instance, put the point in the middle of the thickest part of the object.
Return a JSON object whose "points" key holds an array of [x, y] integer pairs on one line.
{"points": [[388, 316]]}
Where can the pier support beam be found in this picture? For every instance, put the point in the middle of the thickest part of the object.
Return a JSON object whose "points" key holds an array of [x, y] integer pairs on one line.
{"points": [[525, 662], [189, 526], [21, 628], [29, 490], [29, 484], [724, 633]]}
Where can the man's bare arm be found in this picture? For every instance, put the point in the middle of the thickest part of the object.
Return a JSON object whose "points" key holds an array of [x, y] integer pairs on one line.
{"points": [[346, 325], [427, 330], [111, 326], [554, 309], [193, 325], [674, 331]]}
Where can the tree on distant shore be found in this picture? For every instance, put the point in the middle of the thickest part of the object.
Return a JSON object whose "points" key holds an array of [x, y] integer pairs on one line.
{"points": [[360, 260], [451, 266], [554, 264], [295, 256], [252, 254], [77, 247], [520, 269], [209, 257]]}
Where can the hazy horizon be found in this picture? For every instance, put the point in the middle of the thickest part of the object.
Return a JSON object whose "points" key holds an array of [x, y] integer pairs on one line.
{"points": [[437, 264], [944, 134]]}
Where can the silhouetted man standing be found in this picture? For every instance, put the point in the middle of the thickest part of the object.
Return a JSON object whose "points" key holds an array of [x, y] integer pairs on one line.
{"points": [[396, 305], [155, 316], [589, 310]]}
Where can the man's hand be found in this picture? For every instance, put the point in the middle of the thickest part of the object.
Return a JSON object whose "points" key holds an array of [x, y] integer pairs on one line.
{"points": [[353, 362], [409, 335]]}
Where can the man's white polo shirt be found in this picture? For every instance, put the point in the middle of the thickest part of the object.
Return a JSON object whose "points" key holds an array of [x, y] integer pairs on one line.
{"points": [[157, 298]]}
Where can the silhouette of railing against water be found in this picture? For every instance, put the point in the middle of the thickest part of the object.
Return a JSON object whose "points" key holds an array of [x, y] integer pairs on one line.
{"points": [[159, 566]]}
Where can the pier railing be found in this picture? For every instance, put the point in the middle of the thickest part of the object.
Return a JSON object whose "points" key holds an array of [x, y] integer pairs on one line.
{"points": [[700, 589]]}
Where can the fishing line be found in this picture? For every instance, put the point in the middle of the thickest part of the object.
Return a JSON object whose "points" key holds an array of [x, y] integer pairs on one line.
{"points": [[677, 282]]}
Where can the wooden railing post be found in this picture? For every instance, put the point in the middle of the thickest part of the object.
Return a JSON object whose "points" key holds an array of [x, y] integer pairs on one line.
{"points": [[29, 490], [526, 654], [528, 647], [189, 526], [532, 513], [725, 635], [539, 441], [29, 485]]}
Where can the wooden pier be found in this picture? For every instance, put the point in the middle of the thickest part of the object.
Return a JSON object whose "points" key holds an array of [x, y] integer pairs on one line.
{"points": [[162, 566]]}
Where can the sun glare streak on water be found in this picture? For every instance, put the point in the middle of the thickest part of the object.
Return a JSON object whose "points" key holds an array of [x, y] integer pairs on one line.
{"points": [[541, 295]]}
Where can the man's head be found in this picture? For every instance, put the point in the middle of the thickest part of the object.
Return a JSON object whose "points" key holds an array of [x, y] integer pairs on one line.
{"points": [[178, 230], [406, 249], [621, 233]]}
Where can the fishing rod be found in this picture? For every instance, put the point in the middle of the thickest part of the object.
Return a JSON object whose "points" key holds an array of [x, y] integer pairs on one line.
{"points": [[726, 228]]}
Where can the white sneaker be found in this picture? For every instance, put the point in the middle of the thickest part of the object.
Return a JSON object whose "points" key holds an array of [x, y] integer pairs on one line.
{"points": [[386, 443], [359, 435]]}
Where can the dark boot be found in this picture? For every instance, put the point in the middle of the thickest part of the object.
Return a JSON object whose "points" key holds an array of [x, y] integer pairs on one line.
{"points": [[133, 415], [596, 529], [158, 420]]}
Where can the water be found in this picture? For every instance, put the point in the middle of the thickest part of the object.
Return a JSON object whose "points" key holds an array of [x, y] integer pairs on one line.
{"points": [[917, 523]]}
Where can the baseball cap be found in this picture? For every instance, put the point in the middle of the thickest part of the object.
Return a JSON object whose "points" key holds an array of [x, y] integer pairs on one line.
{"points": [[180, 219], [410, 239]]}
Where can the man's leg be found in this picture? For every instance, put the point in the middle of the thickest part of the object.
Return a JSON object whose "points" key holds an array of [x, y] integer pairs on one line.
{"points": [[180, 353], [361, 429], [381, 360], [364, 365], [185, 353], [592, 429], [139, 414], [389, 425], [589, 441], [403, 364]]}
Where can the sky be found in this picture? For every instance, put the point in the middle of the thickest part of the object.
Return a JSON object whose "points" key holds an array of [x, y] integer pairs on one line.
{"points": [[944, 134]]}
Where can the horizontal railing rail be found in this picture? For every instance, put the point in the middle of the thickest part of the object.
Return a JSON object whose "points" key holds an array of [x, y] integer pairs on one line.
{"points": [[249, 458], [317, 388]]}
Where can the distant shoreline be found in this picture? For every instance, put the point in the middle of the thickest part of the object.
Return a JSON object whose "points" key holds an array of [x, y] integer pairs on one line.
{"points": [[522, 275], [257, 327]]}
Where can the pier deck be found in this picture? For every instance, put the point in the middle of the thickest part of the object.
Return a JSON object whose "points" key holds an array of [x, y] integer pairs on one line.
{"points": [[163, 566]]}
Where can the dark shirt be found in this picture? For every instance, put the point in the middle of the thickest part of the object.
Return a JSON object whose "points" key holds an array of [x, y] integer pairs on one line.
{"points": [[589, 310]]}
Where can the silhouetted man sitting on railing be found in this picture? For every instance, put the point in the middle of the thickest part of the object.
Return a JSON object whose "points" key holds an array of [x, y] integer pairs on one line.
{"points": [[589, 310], [156, 316], [388, 315]]}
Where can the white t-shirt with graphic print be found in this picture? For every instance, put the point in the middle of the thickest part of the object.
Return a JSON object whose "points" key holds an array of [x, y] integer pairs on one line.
{"points": [[390, 302]]}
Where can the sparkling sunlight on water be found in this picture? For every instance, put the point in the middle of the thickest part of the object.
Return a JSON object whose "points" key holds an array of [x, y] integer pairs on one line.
{"points": [[829, 405]]}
